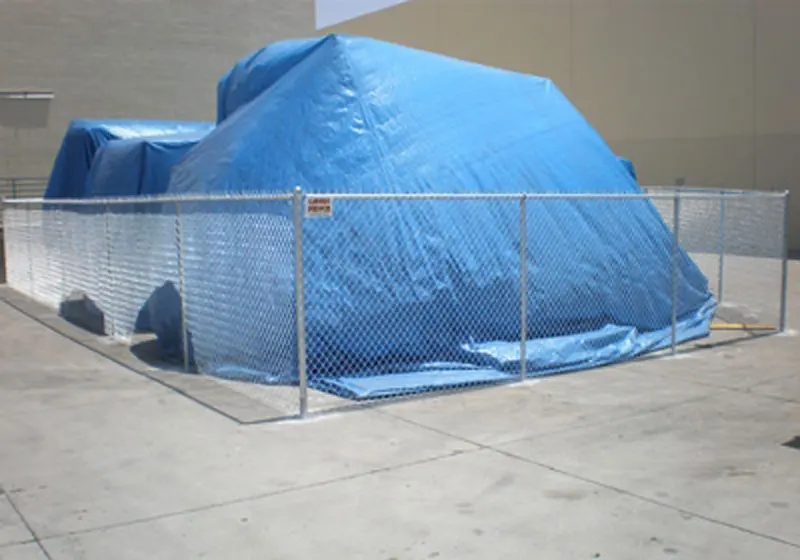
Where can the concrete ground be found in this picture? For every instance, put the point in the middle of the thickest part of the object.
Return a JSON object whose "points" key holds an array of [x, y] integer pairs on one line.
{"points": [[659, 458]]}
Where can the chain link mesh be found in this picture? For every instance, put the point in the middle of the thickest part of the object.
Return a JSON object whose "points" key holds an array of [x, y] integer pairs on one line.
{"points": [[17, 249], [389, 320], [237, 286], [383, 320], [629, 265], [141, 270], [77, 239], [239, 261], [737, 240], [753, 261]]}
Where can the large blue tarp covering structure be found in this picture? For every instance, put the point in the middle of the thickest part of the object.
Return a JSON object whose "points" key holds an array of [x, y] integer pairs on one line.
{"points": [[412, 295], [256, 73], [139, 166], [85, 137]]}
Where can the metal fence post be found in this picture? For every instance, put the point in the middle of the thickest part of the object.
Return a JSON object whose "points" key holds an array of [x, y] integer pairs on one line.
{"points": [[13, 188], [28, 233], [109, 269], [182, 286], [721, 248], [4, 239], [62, 253], [299, 298], [785, 264], [523, 287], [675, 265]]}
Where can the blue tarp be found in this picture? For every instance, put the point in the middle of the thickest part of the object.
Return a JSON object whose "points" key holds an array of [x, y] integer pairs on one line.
{"points": [[628, 164], [139, 166], [404, 295], [256, 73], [85, 137]]}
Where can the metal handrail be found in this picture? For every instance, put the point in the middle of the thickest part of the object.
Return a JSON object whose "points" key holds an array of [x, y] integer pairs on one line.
{"points": [[18, 187]]}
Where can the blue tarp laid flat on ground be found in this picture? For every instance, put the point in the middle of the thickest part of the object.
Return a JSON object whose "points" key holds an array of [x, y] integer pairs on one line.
{"points": [[412, 295], [139, 166], [85, 137]]}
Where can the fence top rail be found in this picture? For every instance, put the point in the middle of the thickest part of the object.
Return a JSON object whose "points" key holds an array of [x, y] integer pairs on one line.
{"points": [[699, 194], [717, 190], [146, 200], [710, 195]]}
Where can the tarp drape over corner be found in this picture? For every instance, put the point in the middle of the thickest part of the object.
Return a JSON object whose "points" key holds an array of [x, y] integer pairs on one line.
{"points": [[85, 137], [138, 166]]}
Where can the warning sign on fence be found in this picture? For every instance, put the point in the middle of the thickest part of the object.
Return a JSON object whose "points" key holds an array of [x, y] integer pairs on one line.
{"points": [[319, 207]]}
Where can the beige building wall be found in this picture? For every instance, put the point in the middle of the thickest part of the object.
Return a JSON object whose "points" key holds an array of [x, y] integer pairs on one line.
{"points": [[123, 59], [701, 91]]}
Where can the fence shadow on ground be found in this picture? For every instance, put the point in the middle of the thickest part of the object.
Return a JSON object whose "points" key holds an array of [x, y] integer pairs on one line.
{"points": [[716, 341]]}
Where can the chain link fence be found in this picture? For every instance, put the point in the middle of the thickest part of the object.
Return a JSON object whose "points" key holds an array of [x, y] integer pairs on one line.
{"points": [[739, 241], [483, 289], [17, 187]]}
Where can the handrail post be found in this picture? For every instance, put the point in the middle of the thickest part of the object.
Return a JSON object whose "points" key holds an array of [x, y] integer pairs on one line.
{"points": [[299, 299]]}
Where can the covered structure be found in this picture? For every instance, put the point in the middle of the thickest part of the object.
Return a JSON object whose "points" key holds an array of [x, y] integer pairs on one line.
{"points": [[139, 166], [85, 137], [412, 295]]}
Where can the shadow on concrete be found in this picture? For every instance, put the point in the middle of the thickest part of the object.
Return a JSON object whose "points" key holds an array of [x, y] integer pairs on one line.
{"points": [[80, 310], [157, 336], [147, 349], [793, 443], [717, 339], [161, 314], [201, 389]]}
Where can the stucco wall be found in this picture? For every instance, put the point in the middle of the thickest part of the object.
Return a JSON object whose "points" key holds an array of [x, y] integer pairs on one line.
{"points": [[123, 58]]}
